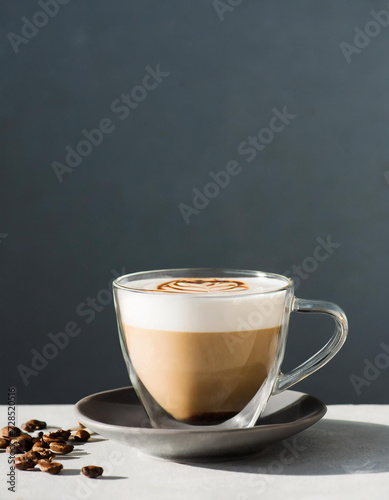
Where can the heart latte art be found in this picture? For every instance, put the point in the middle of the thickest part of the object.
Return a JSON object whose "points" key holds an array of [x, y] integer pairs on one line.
{"points": [[201, 285]]}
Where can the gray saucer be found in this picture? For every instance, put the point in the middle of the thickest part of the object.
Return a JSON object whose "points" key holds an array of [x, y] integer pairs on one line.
{"points": [[119, 415]]}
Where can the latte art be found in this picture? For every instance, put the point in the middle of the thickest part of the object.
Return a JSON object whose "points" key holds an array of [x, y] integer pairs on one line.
{"points": [[201, 285]]}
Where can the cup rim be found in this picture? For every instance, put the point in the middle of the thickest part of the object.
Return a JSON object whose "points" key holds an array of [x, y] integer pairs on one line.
{"points": [[249, 273]]}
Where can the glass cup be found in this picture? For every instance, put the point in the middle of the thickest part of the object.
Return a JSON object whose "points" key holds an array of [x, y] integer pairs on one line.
{"points": [[204, 347]]}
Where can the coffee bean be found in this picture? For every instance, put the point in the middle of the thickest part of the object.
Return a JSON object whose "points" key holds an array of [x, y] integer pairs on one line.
{"points": [[33, 425], [92, 471], [15, 448], [23, 443], [61, 433], [40, 444], [23, 463], [40, 440], [4, 442], [25, 436], [50, 467], [28, 427], [61, 448], [40, 453], [46, 454], [10, 431], [47, 439], [39, 424], [34, 455], [82, 436]]}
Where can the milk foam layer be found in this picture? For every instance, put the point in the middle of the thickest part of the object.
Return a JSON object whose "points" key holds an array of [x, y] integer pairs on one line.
{"points": [[258, 284], [247, 309]]}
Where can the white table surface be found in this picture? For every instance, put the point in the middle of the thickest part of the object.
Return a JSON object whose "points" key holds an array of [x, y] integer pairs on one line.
{"points": [[345, 455]]}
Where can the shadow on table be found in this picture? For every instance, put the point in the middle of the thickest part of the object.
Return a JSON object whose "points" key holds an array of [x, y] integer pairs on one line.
{"points": [[331, 447]]}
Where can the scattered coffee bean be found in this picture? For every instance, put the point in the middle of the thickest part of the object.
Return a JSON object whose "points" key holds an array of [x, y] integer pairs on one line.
{"points": [[23, 443], [46, 454], [34, 425], [50, 467], [10, 431], [47, 439], [15, 448], [39, 424], [61, 448], [23, 435], [40, 445], [23, 463], [40, 453], [28, 427], [4, 442], [92, 471], [40, 450], [61, 433], [81, 435], [39, 439]]}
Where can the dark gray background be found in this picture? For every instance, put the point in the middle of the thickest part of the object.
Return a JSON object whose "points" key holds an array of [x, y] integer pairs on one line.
{"points": [[323, 175]]}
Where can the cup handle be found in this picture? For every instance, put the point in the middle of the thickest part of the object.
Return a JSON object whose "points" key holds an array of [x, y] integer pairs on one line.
{"points": [[286, 380]]}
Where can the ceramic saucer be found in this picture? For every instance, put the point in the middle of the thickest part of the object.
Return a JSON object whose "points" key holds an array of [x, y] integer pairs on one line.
{"points": [[119, 415]]}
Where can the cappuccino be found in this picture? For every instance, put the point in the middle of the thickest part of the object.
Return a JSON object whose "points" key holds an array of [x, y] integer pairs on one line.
{"points": [[205, 346], [203, 361]]}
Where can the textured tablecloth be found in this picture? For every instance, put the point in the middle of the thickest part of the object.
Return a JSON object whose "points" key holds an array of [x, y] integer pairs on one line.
{"points": [[345, 455]]}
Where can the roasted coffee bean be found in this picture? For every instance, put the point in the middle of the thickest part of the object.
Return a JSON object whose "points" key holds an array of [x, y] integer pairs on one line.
{"points": [[39, 424], [47, 439], [40, 444], [23, 463], [46, 454], [10, 431], [50, 467], [28, 427], [92, 471], [61, 433], [81, 435], [15, 448], [25, 436], [66, 434], [23, 443], [40, 453], [4, 442], [33, 425], [26, 443], [38, 439], [61, 448]]}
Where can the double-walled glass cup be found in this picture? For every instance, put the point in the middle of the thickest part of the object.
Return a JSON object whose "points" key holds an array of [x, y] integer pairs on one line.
{"points": [[204, 347]]}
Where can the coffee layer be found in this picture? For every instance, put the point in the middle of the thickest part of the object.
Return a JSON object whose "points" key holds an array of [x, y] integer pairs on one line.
{"points": [[191, 374]]}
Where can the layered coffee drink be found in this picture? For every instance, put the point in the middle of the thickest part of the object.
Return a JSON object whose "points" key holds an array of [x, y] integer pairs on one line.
{"points": [[203, 360]]}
